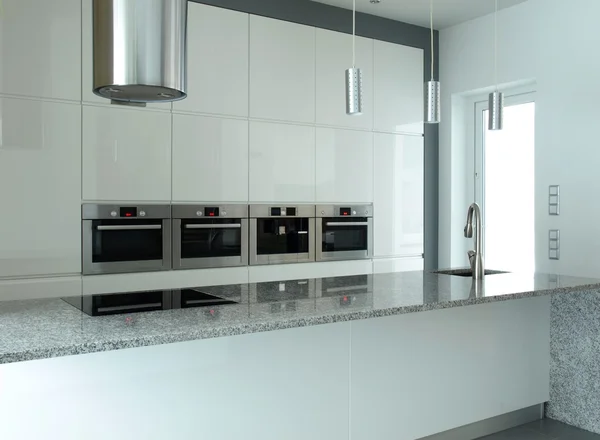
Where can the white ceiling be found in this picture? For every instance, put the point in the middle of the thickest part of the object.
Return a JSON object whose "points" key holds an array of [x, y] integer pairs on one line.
{"points": [[446, 12]]}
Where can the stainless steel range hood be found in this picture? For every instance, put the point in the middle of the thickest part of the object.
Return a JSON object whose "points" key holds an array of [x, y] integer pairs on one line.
{"points": [[140, 50]]}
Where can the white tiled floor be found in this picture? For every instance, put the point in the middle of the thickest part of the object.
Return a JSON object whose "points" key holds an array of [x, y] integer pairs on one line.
{"points": [[546, 429]]}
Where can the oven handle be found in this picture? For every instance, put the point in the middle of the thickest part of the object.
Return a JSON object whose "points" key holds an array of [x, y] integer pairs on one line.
{"points": [[127, 227], [346, 224], [214, 226]]}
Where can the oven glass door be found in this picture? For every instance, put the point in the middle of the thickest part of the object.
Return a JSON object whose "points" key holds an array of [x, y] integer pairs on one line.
{"points": [[279, 236], [211, 238], [345, 234], [117, 241]]}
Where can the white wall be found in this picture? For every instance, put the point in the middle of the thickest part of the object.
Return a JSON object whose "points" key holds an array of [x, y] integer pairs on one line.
{"points": [[553, 42]]}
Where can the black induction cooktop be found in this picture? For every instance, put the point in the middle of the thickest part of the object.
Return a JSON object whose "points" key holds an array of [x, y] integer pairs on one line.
{"points": [[146, 301]]}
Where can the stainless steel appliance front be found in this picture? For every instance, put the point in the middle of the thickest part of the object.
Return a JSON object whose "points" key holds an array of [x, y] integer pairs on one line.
{"points": [[210, 236], [282, 234], [118, 239], [344, 232]]}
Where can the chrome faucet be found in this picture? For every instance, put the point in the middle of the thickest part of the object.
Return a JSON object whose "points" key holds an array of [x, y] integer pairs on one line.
{"points": [[476, 256]]}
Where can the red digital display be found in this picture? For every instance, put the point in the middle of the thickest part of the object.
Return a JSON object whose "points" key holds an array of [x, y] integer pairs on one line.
{"points": [[345, 211], [212, 214], [128, 212]]}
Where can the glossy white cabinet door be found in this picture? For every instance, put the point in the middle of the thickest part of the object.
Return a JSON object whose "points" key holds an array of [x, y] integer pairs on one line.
{"points": [[282, 163], [398, 88], [399, 187], [282, 70], [210, 159], [40, 188], [278, 385], [217, 61], [40, 48], [334, 56], [126, 154], [344, 166], [87, 62], [387, 265], [466, 359]]}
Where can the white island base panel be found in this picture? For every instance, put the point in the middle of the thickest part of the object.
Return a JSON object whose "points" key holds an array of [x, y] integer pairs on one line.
{"points": [[399, 378]]}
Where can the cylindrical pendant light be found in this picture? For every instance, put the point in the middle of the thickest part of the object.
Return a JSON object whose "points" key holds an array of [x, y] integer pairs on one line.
{"points": [[496, 99], [496, 111], [354, 76], [432, 88]]}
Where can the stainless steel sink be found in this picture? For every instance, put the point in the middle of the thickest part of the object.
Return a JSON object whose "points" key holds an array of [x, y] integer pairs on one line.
{"points": [[467, 272]]}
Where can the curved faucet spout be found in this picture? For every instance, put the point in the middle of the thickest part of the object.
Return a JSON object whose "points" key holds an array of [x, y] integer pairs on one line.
{"points": [[476, 256]]}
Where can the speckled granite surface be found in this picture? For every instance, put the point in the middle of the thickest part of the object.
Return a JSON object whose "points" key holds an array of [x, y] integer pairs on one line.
{"points": [[39, 329], [575, 360]]}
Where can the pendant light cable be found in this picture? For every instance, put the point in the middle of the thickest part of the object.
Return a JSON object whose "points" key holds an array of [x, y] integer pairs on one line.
{"points": [[353, 76], [354, 33], [496, 46], [431, 21]]}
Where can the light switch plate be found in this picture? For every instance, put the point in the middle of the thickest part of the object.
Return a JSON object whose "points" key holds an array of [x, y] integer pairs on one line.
{"points": [[554, 244], [554, 200]]}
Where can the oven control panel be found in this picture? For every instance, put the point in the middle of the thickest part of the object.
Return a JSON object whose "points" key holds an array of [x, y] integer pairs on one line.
{"points": [[283, 212], [332, 211]]}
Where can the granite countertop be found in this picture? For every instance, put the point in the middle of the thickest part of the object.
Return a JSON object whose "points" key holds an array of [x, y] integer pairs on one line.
{"points": [[39, 329]]}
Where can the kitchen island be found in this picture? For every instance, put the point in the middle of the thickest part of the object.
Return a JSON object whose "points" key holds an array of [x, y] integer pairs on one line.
{"points": [[331, 358]]}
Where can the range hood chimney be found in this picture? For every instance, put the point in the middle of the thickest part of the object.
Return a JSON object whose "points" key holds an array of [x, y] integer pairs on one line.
{"points": [[140, 50]]}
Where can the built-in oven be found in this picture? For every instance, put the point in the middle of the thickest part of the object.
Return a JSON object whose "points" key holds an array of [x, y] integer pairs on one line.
{"points": [[344, 232], [118, 239], [282, 234], [210, 236]]}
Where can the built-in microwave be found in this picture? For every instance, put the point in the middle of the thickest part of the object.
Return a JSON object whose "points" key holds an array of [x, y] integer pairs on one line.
{"points": [[282, 234], [118, 239], [210, 236], [344, 232]]}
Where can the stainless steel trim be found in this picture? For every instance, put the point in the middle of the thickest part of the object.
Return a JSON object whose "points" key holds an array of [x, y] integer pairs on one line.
{"points": [[91, 268], [213, 262], [215, 226], [305, 257], [342, 255], [127, 227], [91, 211], [191, 211], [264, 211], [347, 224], [326, 211]]}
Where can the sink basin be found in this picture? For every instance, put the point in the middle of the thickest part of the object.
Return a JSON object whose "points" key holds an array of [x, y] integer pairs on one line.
{"points": [[467, 272]]}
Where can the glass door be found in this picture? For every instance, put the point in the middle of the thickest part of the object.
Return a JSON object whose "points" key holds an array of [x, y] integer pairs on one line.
{"points": [[505, 184]]}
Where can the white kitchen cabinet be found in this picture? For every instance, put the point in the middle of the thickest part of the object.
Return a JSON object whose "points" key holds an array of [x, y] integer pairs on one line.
{"points": [[398, 195], [388, 265], [87, 62], [40, 48], [210, 159], [217, 61], [278, 385], [282, 163], [126, 154], [344, 166], [40, 188], [333, 57], [398, 88], [282, 70], [401, 364]]}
